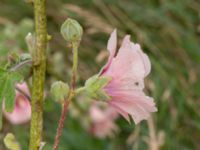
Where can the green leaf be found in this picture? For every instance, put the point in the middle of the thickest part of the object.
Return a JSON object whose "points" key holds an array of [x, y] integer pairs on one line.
{"points": [[7, 88], [3, 74], [9, 96], [0, 115], [2, 71]]}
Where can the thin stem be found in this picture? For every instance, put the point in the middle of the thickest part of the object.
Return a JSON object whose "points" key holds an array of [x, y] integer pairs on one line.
{"points": [[70, 96], [39, 68], [75, 65], [61, 122]]}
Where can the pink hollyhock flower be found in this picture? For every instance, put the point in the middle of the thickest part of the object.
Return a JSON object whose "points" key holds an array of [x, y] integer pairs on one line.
{"points": [[22, 110], [128, 68], [102, 120]]}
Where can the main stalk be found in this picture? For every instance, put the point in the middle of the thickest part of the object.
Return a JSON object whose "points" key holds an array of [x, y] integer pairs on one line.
{"points": [[39, 68]]}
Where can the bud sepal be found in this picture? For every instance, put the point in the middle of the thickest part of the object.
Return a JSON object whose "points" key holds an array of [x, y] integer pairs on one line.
{"points": [[94, 87]]}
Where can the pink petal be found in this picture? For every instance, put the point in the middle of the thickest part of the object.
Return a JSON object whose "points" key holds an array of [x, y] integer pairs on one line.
{"points": [[96, 113], [112, 45], [21, 114], [138, 107], [130, 62], [102, 120], [120, 111], [144, 58], [147, 64], [104, 129], [126, 42]]}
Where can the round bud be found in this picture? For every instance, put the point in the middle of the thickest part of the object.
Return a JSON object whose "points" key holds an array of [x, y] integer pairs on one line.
{"points": [[71, 30], [59, 90], [10, 142]]}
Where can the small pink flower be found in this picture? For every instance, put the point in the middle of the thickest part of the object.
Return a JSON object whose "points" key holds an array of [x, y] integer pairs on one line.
{"points": [[103, 120], [128, 68], [22, 110]]}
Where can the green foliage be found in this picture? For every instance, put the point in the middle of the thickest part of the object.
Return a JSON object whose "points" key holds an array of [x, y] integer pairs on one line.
{"points": [[168, 32], [7, 89]]}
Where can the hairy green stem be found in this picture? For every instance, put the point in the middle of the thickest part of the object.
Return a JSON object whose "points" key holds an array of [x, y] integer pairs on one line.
{"points": [[70, 96], [75, 65], [39, 68]]}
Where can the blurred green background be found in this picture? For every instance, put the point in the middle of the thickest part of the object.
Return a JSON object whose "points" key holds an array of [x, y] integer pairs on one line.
{"points": [[168, 31]]}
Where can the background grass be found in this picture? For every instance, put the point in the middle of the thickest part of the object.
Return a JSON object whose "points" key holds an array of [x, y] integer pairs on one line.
{"points": [[168, 31]]}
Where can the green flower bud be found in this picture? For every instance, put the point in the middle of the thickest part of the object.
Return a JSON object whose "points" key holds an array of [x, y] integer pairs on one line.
{"points": [[94, 87], [59, 90], [71, 31], [11, 143]]}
